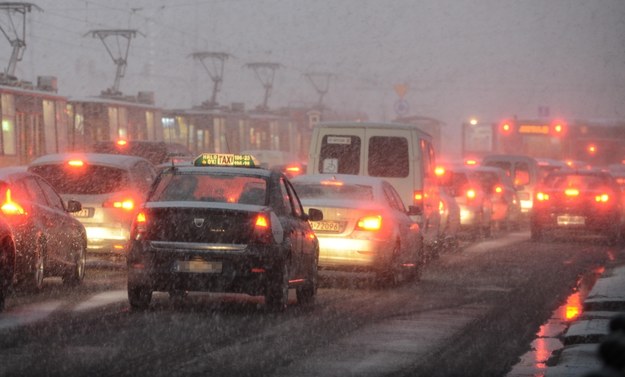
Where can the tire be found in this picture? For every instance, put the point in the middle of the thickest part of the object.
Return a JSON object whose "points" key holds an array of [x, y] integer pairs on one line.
{"points": [[277, 291], [390, 276], [76, 273], [139, 296], [306, 293], [35, 272]]}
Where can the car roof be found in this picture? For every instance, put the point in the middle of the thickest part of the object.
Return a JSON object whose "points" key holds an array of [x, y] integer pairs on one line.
{"points": [[112, 160], [508, 157], [9, 172]]}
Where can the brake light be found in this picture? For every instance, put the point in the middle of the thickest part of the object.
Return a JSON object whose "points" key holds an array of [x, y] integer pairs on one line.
{"points": [[571, 192], [139, 226], [76, 163], [127, 204], [9, 207], [293, 169], [439, 171], [602, 198], [370, 223], [122, 142], [542, 197], [471, 194], [498, 189], [418, 196], [262, 228]]}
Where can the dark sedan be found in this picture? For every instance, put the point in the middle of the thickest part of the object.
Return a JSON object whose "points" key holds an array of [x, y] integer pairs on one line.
{"points": [[578, 201], [49, 241], [223, 225]]}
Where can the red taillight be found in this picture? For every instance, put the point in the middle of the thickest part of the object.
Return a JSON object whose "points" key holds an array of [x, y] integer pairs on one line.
{"points": [[139, 225], [370, 223], [571, 192], [471, 194], [418, 197], [262, 228], [294, 169], [121, 143], [542, 197], [127, 204], [602, 198], [498, 189], [76, 163], [9, 207]]}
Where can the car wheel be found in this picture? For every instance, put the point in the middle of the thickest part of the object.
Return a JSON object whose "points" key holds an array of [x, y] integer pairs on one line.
{"points": [[307, 292], [277, 291], [391, 275], [139, 296], [76, 273], [33, 280]]}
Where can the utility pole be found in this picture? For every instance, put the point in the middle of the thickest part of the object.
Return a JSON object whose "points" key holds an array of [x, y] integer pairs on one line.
{"points": [[321, 82], [121, 58], [265, 73], [216, 71], [15, 36]]}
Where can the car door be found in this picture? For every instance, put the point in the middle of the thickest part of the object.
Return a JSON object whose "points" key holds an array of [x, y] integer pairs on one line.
{"points": [[406, 226], [306, 234], [291, 226]]}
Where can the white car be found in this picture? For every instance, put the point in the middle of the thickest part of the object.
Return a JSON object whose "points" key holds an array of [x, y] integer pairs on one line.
{"points": [[365, 225]]}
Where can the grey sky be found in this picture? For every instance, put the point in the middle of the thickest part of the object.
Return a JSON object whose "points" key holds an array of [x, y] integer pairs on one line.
{"points": [[485, 58]]}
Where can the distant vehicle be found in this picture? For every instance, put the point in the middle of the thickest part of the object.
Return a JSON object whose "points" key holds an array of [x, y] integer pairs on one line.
{"points": [[548, 165], [285, 162], [223, 225], [506, 207], [48, 240], [578, 201], [473, 196], [157, 152], [365, 225], [402, 154], [524, 172], [7, 260], [110, 188]]}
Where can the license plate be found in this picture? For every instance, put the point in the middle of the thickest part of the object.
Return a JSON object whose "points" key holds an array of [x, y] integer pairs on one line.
{"points": [[571, 220], [197, 267], [327, 226], [85, 212]]}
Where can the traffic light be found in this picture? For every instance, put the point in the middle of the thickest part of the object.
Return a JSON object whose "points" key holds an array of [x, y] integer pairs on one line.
{"points": [[506, 127], [558, 128]]}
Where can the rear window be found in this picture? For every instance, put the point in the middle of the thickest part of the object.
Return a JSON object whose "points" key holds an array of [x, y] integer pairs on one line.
{"points": [[217, 187], [340, 154], [85, 180], [582, 182], [388, 157], [345, 192]]}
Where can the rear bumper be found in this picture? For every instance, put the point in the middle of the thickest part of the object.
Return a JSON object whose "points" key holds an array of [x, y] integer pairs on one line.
{"points": [[339, 252], [233, 268]]}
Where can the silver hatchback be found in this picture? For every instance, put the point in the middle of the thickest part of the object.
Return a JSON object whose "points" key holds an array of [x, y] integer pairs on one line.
{"points": [[110, 188]]}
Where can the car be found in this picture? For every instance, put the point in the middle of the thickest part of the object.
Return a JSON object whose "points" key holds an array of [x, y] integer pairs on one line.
{"points": [[525, 174], [286, 162], [578, 201], [110, 188], [223, 225], [157, 152], [47, 239], [506, 212], [7, 260], [473, 197], [365, 225]]}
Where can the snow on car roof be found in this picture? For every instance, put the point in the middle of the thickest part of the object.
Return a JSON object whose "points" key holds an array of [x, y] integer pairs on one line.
{"points": [[114, 160]]}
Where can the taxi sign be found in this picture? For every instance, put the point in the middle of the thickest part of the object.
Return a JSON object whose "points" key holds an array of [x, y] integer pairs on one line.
{"points": [[225, 159]]}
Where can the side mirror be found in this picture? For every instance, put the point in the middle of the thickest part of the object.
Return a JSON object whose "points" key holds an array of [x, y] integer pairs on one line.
{"points": [[414, 211], [315, 214], [73, 206]]}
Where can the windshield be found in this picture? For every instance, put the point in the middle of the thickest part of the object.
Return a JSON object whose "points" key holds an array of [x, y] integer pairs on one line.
{"points": [[88, 180]]}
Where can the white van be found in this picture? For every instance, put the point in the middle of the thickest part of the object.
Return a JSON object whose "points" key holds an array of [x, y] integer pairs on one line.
{"points": [[402, 154]]}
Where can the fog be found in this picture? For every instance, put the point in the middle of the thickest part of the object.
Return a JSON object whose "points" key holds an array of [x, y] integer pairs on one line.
{"points": [[488, 59]]}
